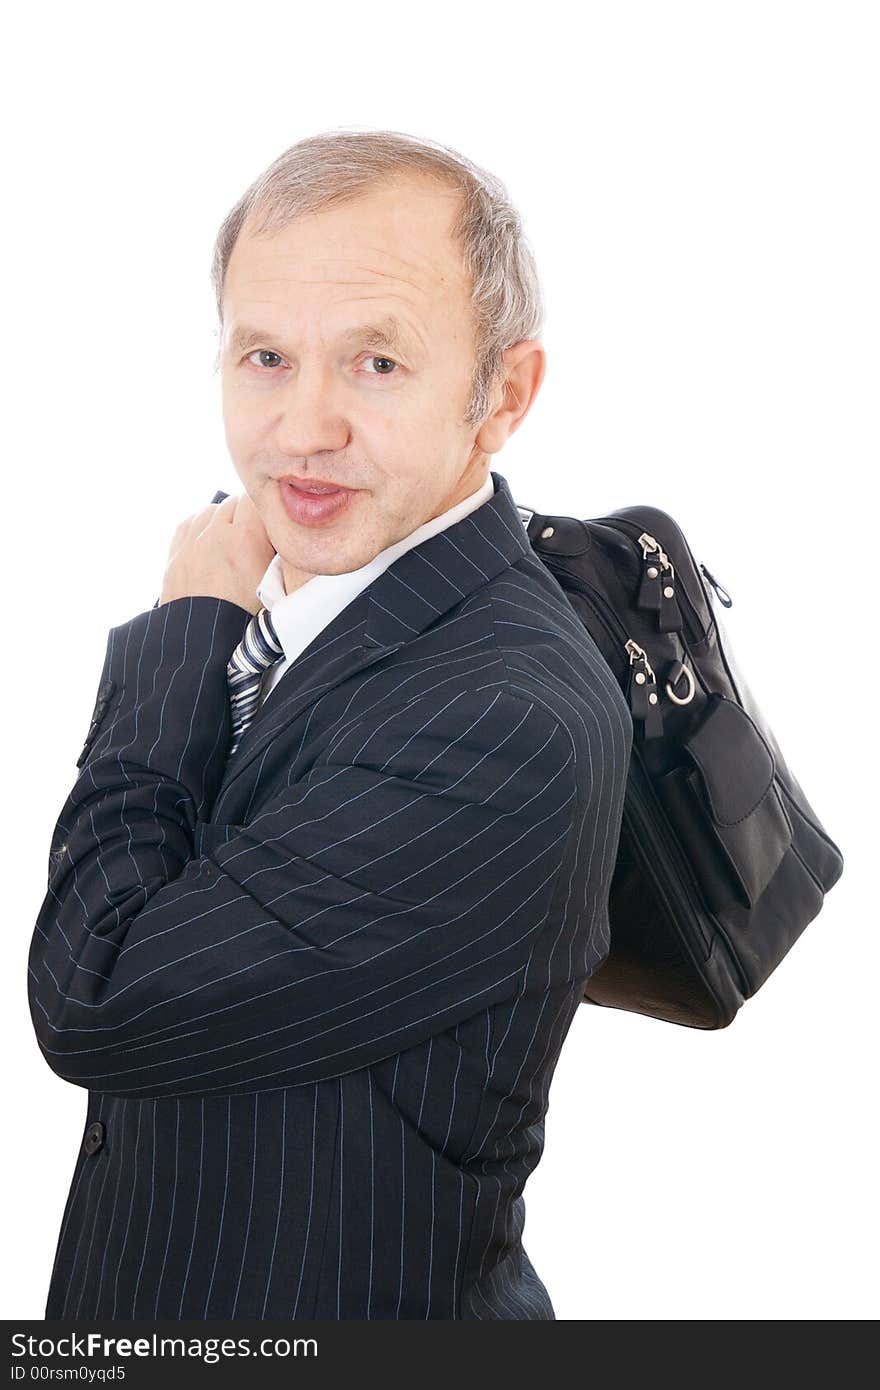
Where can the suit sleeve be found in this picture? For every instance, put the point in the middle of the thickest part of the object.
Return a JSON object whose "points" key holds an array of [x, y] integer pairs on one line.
{"points": [[393, 891]]}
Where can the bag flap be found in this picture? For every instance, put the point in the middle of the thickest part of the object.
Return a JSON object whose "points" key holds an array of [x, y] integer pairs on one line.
{"points": [[736, 763]]}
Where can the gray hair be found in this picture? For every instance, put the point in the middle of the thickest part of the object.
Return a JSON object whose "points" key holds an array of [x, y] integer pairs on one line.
{"points": [[336, 166]]}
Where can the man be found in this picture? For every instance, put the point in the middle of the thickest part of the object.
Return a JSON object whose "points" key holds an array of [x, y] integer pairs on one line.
{"points": [[325, 894]]}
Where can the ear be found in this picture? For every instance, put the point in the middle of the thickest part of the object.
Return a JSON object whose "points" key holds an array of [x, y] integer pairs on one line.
{"points": [[524, 365]]}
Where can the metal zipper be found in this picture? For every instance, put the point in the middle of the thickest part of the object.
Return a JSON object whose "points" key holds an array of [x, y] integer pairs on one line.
{"points": [[653, 552], [639, 683], [638, 663]]}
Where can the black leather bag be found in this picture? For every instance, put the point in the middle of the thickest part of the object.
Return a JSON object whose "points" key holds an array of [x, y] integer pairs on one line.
{"points": [[722, 861]]}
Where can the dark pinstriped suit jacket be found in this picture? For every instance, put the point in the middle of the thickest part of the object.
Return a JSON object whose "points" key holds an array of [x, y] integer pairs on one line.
{"points": [[316, 992]]}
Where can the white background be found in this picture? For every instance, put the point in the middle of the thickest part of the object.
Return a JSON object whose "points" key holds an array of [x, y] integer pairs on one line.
{"points": [[699, 184]]}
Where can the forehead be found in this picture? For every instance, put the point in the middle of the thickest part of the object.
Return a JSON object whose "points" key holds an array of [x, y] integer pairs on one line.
{"points": [[391, 243]]}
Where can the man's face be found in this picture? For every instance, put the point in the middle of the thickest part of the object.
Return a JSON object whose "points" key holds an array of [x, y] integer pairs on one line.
{"points": [[310, 394]]}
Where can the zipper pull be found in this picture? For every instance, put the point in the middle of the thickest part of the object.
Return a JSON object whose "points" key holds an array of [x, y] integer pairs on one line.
{"points": [[669, 618], [657, 587], [720, 590], [644, 701]]}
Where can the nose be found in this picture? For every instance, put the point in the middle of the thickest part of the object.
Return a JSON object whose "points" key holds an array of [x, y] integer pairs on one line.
{"points": [[311, 420]]}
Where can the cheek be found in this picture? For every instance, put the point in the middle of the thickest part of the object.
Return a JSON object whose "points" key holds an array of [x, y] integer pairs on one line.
{"points": [[241, 409], [232, 416], [246, 442]]}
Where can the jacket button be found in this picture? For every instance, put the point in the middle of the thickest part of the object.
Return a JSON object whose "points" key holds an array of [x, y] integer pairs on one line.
{"points": [[94, 1137]]}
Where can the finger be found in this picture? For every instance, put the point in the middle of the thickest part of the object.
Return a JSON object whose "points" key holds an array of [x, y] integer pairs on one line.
{"points": [[181, 531], [226, 510], [247, 513], [216, 513]]}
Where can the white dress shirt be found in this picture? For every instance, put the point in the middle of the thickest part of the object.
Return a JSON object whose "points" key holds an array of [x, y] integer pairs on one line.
{"points": [[300, 616]]}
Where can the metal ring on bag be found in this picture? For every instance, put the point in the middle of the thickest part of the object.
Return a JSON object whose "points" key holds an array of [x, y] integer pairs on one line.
{"points": [[690, 695]]}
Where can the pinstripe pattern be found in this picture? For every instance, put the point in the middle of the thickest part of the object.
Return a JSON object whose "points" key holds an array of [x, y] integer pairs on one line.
{"points": [[316, 992]]}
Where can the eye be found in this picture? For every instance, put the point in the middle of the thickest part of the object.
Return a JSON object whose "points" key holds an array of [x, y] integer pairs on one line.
{"points": [[263, 352], [387, 365], [388, 361]]}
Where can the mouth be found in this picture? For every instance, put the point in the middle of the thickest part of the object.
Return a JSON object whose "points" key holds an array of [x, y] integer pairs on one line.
{"points": [[312, 501], [317, 487]]}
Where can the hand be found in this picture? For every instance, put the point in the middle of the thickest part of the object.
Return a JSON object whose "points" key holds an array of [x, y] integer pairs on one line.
{"points": [[222, 552]]}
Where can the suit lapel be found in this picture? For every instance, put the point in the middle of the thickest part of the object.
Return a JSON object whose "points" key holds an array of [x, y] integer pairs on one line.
{"points": [[414, 591]]}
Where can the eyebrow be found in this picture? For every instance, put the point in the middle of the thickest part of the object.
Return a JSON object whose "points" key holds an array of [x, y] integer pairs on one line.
{"points": [[386, 333]]}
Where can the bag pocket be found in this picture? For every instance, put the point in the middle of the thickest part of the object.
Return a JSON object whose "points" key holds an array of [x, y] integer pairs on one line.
{"points": [[725, 806]]}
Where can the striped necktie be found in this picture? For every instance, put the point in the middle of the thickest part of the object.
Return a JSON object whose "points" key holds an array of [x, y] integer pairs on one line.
{"points": [[256, 652]]}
